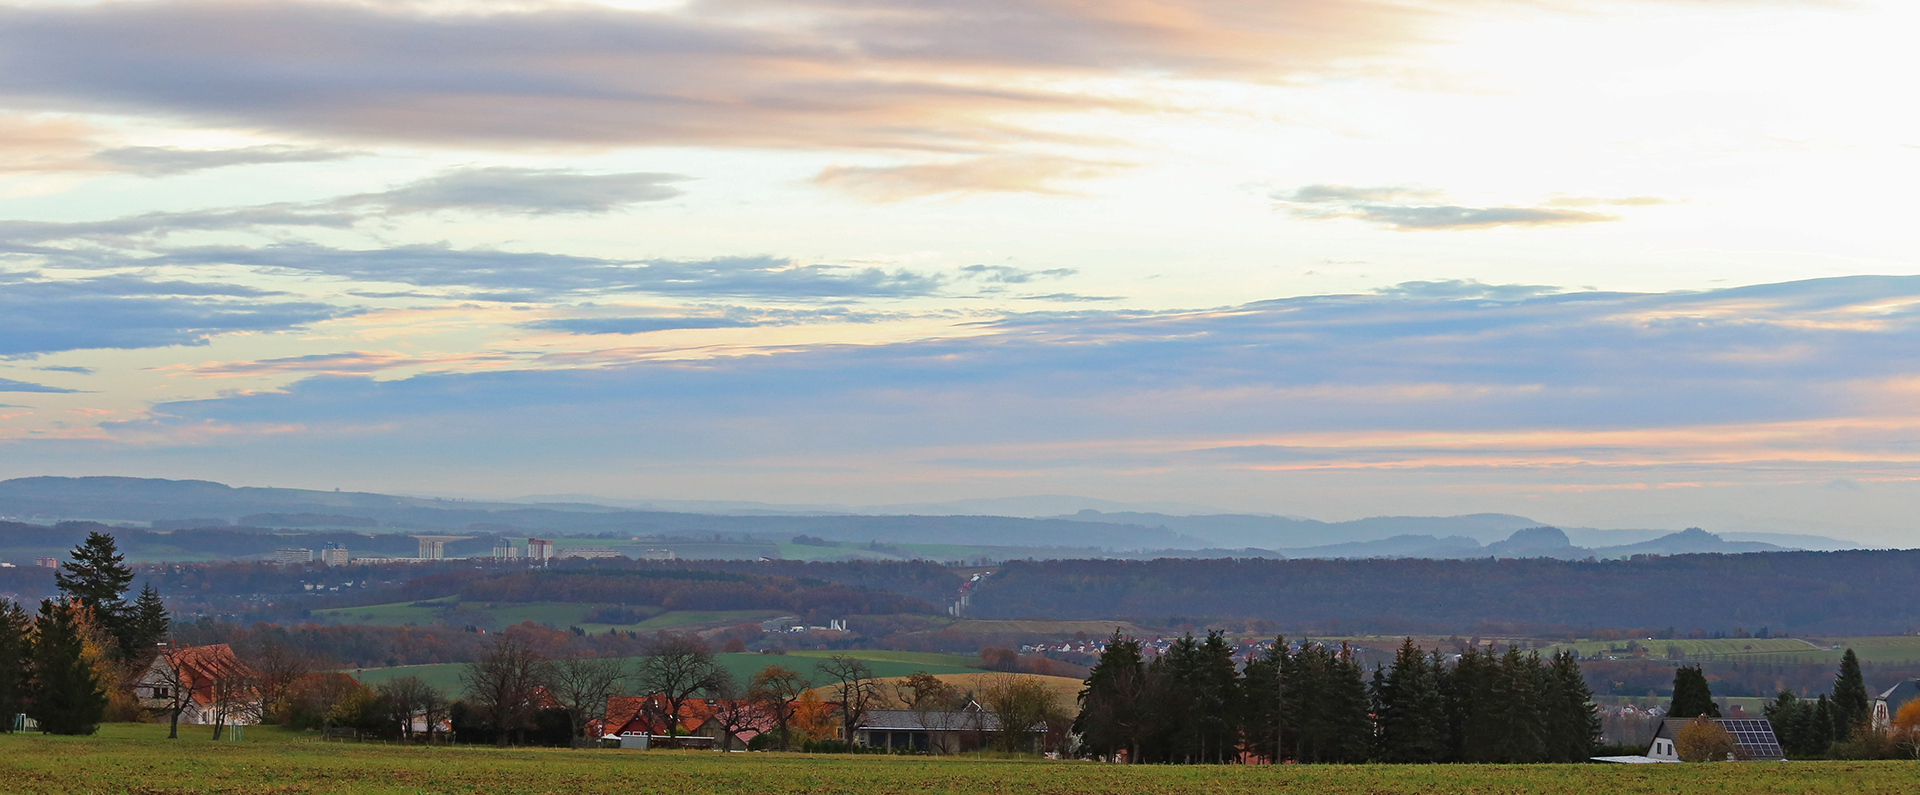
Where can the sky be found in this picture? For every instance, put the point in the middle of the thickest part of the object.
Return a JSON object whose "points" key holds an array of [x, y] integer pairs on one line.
{"points": [[1603, 263]]}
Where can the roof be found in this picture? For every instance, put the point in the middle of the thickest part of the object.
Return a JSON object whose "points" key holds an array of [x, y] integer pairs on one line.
{"points": [[910, 720], [1898, 694], [1753, 738]]}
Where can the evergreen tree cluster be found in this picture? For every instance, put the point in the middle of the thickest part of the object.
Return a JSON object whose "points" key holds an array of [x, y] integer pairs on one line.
{"points": [[1810, 727], [47, 671], [1196, 703]]}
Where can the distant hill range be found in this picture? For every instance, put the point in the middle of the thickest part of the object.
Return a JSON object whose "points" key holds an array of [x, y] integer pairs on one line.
{"points": [[177, 505]]}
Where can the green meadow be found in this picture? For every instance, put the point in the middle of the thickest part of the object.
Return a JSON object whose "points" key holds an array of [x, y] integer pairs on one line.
{"points": [[136, 759]]}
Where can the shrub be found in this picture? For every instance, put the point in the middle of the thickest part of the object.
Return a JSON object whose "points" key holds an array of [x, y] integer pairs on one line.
{"points": [[1702, 740]]}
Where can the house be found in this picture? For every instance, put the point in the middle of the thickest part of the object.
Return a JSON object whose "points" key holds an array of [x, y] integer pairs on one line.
{"points": [[1753, 740], [699, 723], [207, 683], [966, 729], [1888, 705]]}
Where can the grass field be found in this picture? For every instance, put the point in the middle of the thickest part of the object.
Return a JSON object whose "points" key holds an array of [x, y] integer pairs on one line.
{"points": [[558, 615], [885, 664], [136, 759]]}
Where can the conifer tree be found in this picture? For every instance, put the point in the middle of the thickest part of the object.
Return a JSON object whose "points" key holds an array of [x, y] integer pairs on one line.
{"points": [[1409, 710], [97, 577], [1572, 725], [1791, 718], [1519, 733], [1851, 707], [1476, 688], [15, 662], [67, 697], [1260, 702], [1110, 708], [1216, 680], [1820, 728], [147, 622], [1691, 696]]}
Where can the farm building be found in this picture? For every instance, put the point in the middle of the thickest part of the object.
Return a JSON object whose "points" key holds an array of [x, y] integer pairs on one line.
{"points": [[965, 729], [1890, 702]]}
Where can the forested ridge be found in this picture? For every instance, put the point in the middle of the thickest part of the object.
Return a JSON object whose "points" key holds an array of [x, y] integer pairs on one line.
{"points": [[1857, 592]]}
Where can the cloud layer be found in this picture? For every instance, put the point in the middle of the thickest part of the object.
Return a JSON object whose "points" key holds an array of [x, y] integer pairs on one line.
{"points": [[825, 73]]}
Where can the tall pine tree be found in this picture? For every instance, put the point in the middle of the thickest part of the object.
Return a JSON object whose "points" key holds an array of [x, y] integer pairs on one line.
{"points": [[1820, 729], [1691, 696], [16, 662], [1851, 707], [147, 622], [97, 577], [1260, 702], [67, 698], [1110, 709], [1572, 724], [1409, 710]]}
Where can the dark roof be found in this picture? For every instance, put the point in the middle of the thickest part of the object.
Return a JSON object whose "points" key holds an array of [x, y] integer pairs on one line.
{"points": [[1752, 737], [1898, 694], [909, 720]]}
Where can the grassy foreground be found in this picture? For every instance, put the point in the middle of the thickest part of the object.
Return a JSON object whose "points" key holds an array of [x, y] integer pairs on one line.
{"points": [[138, 759]]}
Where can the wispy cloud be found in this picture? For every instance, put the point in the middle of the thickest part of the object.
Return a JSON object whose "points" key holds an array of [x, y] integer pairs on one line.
{"points": [[166, 161], [530, 276], [822, 73], [10, 385], [998, 174], [520, 190], [123, 311], [1414, 210]]}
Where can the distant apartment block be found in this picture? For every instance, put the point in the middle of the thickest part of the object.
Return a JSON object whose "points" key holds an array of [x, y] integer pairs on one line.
{"points": [[333, 555], [539, 549], [46, 563], [435, 547], [657, 554], [508, 552], [293, 557], [589, 552]]}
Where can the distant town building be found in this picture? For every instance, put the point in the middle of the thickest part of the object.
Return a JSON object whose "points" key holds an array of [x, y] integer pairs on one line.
{"points": [[333, 555], [589, 552], [539, 549], [293, 557], [508, 552], [435, 547], [46, 563], [657, 554]]}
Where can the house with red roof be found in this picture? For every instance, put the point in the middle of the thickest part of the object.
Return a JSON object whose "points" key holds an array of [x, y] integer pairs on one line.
{"points": [[208, 684]]}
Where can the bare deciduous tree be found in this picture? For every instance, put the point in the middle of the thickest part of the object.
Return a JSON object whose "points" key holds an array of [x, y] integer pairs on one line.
{"points": [[934, 703], [582, 685], [775, 689], [277, 666], [235, 695], [855, 688], [408, 698], [678, 667], [504, 684], [1022, 705], [167, 687]]}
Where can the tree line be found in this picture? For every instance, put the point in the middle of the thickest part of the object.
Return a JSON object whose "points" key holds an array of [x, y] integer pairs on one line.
{"points": [[1790, 591], [1195, 703]]}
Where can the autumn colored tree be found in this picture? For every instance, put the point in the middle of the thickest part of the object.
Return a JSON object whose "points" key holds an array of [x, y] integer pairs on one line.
{"points": [[1703, 740]]}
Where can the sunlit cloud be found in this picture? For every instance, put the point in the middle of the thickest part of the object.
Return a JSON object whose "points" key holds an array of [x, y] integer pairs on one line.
{"points": [[1408, 209], [999, 174]]}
